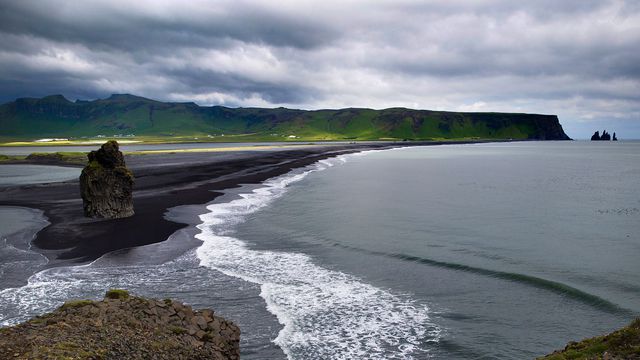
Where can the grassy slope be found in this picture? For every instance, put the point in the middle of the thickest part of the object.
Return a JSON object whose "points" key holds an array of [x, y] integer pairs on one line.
{"points": [[620, 344], [54, 116]]}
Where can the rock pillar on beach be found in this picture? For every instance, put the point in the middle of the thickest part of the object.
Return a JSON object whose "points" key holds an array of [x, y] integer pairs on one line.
{"points": [[106, 184]]}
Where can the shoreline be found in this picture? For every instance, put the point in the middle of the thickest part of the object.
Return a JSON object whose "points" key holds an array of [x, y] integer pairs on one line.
{"points": [[183, 239], [17, 248], [163, 181]]}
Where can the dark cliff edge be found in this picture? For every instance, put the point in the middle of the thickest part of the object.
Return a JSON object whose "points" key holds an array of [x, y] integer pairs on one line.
{"points": [[623, 344], [122, 327], [128, 115]]}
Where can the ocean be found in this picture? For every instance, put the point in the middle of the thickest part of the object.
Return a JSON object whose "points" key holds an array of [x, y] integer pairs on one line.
{"points": [[479, 251], [23, 174]]}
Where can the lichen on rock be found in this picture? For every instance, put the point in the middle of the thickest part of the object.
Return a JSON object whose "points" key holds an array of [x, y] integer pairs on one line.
{"points": [[106, 184], [123, 327], [622, 344]]}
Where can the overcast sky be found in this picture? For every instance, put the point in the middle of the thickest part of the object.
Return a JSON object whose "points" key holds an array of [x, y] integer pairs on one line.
{"points": [[579, 59]]}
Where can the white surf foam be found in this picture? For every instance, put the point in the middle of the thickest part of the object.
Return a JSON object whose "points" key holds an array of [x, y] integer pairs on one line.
{"points": [[326, 314], [50, 288]]}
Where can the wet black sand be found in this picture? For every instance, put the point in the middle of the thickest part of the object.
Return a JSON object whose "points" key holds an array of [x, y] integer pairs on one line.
{"points": [[162, 181]]}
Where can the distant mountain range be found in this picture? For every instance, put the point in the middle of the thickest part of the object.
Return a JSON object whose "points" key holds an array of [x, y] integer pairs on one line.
{"points": [[55, 116]]}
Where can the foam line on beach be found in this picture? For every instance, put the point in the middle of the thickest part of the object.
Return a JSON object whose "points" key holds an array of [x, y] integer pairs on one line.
{"points": [[17, 259], [324, 313]]}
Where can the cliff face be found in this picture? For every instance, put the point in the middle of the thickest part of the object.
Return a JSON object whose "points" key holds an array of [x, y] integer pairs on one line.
{"points": [[55, 116], [549, 128], [106, 184], [122, 327]]}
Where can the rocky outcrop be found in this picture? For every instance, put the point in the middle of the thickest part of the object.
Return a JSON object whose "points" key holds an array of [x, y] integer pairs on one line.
{"points": [[57, 158], [122, 327], [623, 344], [106, 184], [605, 136]]}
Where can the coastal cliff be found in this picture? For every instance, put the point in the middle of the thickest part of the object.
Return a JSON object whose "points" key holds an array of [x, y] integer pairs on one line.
{"points": [[129, 115], [122, 327]]}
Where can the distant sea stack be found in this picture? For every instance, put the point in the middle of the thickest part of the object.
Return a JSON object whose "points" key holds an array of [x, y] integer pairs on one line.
{"points": [[106, 184], [123, 327], [128, 116], [605, 136]]}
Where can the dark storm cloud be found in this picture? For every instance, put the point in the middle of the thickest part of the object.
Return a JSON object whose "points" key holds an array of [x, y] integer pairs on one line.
{"points": [[202, 81], [116, 25], [575, 58]]}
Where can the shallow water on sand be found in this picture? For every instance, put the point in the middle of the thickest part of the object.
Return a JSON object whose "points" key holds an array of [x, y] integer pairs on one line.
{"points": [[35, 174], [18, 227], [26, 150]]}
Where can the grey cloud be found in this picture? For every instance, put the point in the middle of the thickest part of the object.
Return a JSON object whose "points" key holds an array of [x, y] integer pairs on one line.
{"points": [[114, 27], [194, 80], [514, 56]]}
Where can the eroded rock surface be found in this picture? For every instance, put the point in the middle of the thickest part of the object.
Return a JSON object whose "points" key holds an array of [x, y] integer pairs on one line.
{"points": [[106, 184], [123, 327]]}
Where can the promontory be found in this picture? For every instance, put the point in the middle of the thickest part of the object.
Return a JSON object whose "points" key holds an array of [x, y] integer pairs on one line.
{"points": [[129, 115]]}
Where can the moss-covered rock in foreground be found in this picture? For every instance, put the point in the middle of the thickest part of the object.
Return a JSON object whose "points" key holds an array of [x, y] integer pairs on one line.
{"points": [[619, 345], [122, 327]]}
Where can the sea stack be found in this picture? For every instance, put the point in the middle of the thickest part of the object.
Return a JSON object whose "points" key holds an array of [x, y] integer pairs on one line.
{"points": [[605, 136], [106, 184]]}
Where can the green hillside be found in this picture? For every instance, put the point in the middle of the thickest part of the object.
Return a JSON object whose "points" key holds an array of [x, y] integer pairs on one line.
{"points": [[55, 116]]}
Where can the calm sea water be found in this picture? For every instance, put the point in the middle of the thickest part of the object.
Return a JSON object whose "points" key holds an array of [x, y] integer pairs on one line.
{"points": [[35, 174], [514, 248], [26, 150], [486, 251]]}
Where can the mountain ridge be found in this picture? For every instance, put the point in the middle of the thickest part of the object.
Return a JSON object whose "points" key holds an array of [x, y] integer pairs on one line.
{"points": [[55, 115]]}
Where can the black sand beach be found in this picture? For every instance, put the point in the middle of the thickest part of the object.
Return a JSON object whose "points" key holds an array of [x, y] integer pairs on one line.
{"points": [[163, 181], [386, 260]]}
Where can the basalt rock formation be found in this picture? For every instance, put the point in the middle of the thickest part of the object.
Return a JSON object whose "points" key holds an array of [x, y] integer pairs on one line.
{"points": [[605, 136], [106, 184], [123, 327]]}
